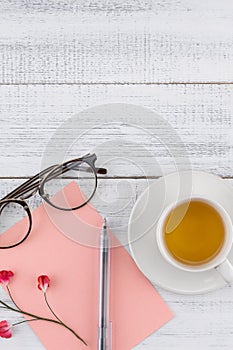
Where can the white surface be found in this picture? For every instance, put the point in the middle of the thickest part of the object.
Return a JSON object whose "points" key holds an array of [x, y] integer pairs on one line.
{"points": [[59, 57], [124, 41]]}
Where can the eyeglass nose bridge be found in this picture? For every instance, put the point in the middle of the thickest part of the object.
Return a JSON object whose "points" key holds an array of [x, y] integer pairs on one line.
{"points": [[29, 193]]}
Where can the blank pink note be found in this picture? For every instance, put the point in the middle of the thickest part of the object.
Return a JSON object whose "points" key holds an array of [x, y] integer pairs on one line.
{"points": [[136, 308]]}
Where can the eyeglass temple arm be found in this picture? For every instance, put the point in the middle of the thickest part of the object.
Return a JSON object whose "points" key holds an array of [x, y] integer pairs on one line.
{"points": [[94, 157], [32, 184], [28, 185], [61, 171], [36, 185], [101, 171], [98, 170]]}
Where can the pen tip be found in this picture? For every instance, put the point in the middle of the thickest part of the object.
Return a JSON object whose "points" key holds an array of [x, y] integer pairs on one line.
{"points": [[105, 222]]}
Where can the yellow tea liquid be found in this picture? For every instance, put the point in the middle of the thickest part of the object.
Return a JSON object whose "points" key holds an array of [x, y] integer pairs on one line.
{"points": [[199, 235]]}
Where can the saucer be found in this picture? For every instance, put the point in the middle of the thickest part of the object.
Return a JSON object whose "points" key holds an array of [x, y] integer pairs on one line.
{"points": [[143, 223]]}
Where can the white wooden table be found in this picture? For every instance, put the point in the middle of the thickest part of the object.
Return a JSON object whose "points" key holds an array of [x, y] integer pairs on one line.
{"points": [[174, 57]]}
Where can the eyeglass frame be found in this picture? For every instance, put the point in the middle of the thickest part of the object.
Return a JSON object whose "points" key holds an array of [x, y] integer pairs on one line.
{"points": [[31, 188]]}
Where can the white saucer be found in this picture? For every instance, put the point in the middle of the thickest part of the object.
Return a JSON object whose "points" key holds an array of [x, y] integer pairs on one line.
{"points": [[142, 226]]}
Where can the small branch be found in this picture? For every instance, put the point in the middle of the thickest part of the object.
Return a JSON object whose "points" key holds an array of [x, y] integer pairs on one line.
{"points": [[12, 299], [43, 319], [47, 303], [16, 324]]}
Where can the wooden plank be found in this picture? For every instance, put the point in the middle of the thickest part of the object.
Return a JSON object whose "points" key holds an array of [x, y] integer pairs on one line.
{"points": [[202, 321], [127, 41], [200, 114]]}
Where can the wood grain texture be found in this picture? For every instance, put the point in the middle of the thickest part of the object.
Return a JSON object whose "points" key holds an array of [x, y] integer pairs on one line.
{"points": [[60, 57], [127, 41], [201, 115], [201, 321]]}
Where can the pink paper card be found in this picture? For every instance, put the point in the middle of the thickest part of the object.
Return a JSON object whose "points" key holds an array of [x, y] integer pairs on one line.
{"points": [[136, 309]]}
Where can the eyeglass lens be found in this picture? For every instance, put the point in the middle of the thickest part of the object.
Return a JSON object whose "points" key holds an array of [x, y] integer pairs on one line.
{"points": [[56, 182], [10, 214]]}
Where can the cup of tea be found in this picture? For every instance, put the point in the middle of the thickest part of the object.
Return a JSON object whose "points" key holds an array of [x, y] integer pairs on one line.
{"points": [[196, 234]]}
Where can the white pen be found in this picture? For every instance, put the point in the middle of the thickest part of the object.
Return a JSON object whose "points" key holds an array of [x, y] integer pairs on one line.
{"points": [[104, 326]]}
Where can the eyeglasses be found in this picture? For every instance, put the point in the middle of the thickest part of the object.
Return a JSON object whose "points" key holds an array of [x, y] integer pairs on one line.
{"points": [[49, 183]]}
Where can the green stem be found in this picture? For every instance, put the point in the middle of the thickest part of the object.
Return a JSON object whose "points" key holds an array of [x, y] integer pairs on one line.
{"points": [[43, 319], [12, 299], [47, 303], [17, 323]]}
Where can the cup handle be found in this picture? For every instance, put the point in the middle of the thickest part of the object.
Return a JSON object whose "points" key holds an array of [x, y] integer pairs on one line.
{"points": [[226, 270]]}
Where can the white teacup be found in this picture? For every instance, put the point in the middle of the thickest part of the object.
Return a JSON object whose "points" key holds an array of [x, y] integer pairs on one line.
{"points": [[220, 261]]}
